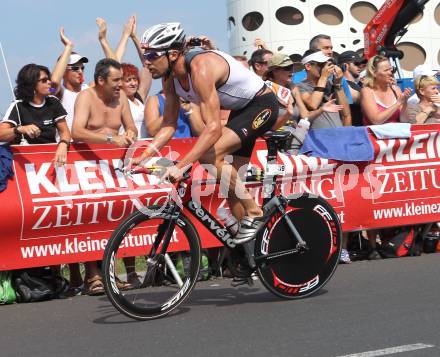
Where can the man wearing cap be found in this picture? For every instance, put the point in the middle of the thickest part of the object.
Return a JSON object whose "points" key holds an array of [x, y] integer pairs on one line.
{"points": [[351, 65], [70, 68], [421, 70], [323, 43], [316, 89]]}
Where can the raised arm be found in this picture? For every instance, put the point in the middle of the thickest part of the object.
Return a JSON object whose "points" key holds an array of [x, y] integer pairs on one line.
{"points": [[136, 42], [102, 35], [61, 65], [127, 119], [152, 117], [145, 81], [313, 100], [126, 33]]}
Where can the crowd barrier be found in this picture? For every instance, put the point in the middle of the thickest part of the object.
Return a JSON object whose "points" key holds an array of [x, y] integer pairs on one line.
{"points": [[52, 216]]}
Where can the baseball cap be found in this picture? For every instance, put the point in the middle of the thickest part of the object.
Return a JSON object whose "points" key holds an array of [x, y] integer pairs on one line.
{"points": [[423, 70], [351, 56], [279, 60], [76, 57], [317, 56]]}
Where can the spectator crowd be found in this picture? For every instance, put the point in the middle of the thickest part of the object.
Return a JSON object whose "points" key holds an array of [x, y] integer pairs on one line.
{"points": [[116, 106]]}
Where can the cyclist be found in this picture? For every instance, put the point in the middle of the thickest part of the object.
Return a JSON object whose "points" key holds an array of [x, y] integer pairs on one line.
{"points": [[214, 81]]}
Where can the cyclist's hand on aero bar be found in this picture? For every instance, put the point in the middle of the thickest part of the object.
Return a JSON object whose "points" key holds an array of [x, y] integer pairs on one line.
{"points": [[172, 174], [134, 162]]}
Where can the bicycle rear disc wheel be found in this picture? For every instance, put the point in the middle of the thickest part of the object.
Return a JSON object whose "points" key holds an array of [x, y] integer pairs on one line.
{"points": [[159, 282], [300, 274]]}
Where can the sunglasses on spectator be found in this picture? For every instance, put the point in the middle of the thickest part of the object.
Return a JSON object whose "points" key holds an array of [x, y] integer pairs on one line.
{"points": [[75, 68], [262, 62], [44, 80], [151, 56], [378, 59], [318, 64]]}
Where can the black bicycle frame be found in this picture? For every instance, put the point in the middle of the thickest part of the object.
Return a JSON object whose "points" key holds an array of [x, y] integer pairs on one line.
{"points": [[271, 204]]}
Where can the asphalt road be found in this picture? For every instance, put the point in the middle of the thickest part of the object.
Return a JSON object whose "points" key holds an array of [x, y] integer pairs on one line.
{"points": [[367, 306]]}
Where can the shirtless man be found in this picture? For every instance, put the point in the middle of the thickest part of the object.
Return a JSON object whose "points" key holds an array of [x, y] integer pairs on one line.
{"points": [[99, 113], [101, 110]]}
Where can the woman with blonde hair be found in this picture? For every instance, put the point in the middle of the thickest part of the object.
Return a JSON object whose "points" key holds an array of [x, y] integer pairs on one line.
{"points": [[381, 100], [427, 111]]}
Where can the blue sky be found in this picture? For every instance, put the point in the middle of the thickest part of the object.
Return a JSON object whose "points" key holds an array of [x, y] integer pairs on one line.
{"points": [[29, 29]]}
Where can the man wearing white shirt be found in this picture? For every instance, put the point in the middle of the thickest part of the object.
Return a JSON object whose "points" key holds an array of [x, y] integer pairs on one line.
{"points": [[69, 68]]}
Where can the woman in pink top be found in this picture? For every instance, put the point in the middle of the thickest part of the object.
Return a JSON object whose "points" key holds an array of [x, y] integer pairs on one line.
{"points": [[381, 100]]}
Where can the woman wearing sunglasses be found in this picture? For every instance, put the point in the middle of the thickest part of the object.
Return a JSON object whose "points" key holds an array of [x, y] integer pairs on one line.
{"points": [[427, 111], [36, 116], [381, 100]]}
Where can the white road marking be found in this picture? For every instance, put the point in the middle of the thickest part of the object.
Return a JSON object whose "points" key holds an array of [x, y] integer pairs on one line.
{"points": [[390, 350]]}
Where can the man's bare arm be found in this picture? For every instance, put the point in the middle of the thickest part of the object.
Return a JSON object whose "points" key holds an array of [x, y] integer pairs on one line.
{"points": [[206, 73]]}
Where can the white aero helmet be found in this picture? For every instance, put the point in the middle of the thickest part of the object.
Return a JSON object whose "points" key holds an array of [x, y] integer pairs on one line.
{"points": [[164, 36]]}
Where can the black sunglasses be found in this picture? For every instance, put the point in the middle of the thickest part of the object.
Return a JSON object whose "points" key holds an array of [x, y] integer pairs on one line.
{"points": [[44, 80], [75, 68]]}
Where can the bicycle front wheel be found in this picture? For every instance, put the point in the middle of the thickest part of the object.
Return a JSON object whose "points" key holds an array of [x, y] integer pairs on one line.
{"points": [[158, 281], [290, 273]]}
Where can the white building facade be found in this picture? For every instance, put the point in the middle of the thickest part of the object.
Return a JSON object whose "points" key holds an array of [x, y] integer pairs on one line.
{"points": [[288, 25]]}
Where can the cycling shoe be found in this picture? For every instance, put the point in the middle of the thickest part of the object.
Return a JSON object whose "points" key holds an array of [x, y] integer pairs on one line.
{"points": [[249, 226], [237, 281]]}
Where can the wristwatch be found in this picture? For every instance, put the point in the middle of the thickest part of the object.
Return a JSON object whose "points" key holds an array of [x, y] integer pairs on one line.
{"points": [[109, 139]]}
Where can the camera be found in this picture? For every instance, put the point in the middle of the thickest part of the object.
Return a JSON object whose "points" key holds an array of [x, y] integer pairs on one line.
{"points": [[195, 42]]}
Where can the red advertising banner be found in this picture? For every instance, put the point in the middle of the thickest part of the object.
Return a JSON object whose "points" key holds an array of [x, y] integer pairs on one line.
{"points": [[61, 215]]}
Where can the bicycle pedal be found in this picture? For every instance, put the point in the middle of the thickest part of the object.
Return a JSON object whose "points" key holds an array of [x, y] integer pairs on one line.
{"points": [[242, 281]]}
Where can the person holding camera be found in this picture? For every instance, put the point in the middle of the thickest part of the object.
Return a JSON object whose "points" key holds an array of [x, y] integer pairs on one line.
{"points": [[323, 82]]}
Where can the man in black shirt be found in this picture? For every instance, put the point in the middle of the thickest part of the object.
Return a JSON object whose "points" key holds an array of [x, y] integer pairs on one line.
{"points": [[351, 64]]}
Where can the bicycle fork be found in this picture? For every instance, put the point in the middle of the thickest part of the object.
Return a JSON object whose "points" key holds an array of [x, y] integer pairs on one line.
{"points": [[164, 235]]}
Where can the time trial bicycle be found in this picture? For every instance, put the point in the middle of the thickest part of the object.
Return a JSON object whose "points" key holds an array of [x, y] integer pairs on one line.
{"points": [[294, 254]]}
